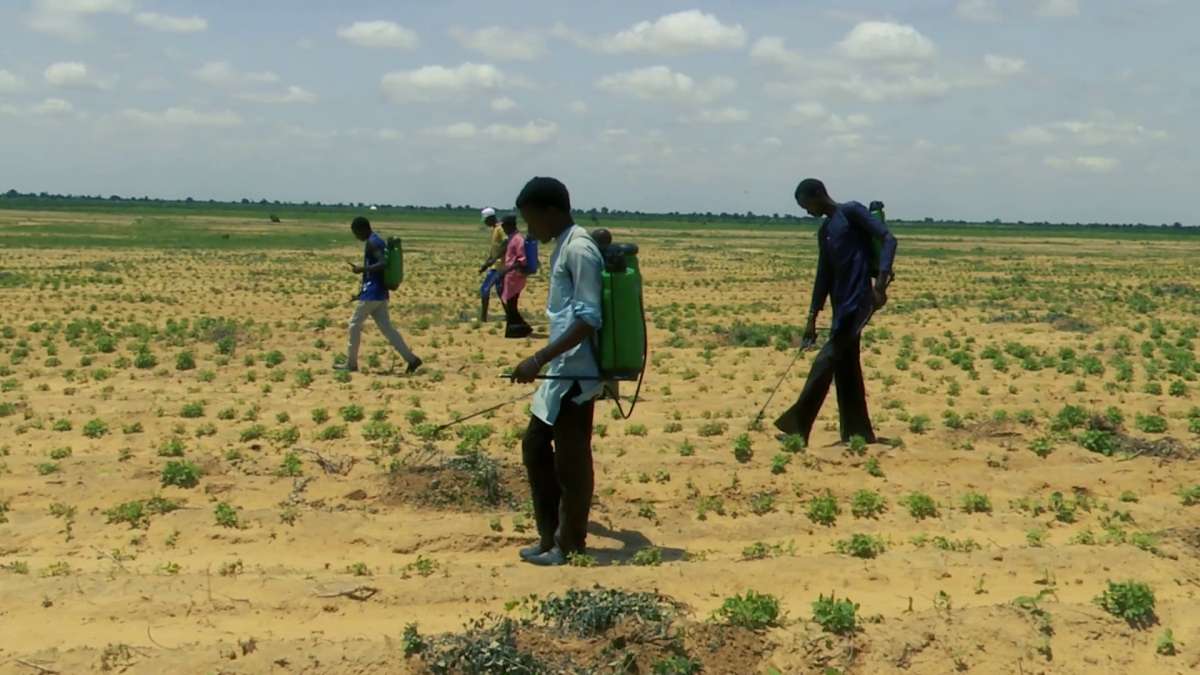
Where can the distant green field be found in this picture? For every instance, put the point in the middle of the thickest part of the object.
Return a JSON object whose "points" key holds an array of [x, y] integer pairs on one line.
{"points": [[227, 226]]}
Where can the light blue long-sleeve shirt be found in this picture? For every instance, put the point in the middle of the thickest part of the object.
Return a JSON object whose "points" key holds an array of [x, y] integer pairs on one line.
{"points": [[575, 273]]}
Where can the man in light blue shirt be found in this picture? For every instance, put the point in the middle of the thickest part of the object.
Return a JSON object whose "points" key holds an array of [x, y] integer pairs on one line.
{"points": [[557, 448]]}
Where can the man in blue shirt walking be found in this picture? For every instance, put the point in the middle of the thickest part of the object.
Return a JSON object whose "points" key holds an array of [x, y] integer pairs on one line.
{"points": [[845, 244], [373, 298]]}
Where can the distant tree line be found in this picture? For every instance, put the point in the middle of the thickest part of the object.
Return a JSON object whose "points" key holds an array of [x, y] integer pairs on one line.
{"points": [[469, 211]]}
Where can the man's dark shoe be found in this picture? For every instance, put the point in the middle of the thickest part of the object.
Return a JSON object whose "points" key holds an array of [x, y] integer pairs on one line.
{"points": [[535, 550], [518, 331], [552, 558], [413, 366]]}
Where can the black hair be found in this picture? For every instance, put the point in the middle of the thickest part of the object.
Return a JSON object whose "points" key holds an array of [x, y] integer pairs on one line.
{"points": [[543, 191], [508, 221], [360, 224], [810, 187]]}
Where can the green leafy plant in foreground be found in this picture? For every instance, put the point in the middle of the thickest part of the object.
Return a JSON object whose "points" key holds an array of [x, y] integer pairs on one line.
{"points": [[753, 610], [1132, 601], [835, 616]]}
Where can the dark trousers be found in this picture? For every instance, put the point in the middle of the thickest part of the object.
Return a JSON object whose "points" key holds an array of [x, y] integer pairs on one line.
{"points": [[512, 313], [837, 362], [558, 460]]}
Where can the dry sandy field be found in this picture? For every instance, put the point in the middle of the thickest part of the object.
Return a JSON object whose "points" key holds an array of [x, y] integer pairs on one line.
{"points": [[186, 486]]}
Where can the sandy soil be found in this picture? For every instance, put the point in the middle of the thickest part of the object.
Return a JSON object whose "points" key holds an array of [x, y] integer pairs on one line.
{"points": [[180, 593]]}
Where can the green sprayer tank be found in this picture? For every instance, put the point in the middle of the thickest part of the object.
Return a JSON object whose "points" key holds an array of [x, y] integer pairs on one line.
{"points": [[393, 272], [876, 243], [623, 335]]}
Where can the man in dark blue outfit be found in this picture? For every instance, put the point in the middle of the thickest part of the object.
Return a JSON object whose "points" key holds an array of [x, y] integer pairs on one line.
{"points": [[845, 260]]}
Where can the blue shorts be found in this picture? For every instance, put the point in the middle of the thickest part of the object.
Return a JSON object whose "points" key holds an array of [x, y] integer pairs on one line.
{"points": [[492, 280]]}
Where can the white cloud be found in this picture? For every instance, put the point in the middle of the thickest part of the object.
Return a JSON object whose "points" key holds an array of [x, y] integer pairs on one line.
{"points": [[68, 18], [844, 124], [500, 43], [773, 142], [1058, 8], [171, 24], [379, 34], [52, 107], [459, 131], [292, 94], [660, 82], [1031, 136], [72, 74], [1004, 65], [869, 89], [729, 115], [771, 50], [223, 74], [183, 117], [503, 104], [885, 41], [678, 33], [532, 133], [579, 107], [982, 11], [10, 83], [390, 135], [808, 112], [1089, 164], [432, 83]]}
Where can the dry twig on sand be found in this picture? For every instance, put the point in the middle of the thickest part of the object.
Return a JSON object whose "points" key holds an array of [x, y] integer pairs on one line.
{"points": [[339, 467], [359, 593], [35, 666]]}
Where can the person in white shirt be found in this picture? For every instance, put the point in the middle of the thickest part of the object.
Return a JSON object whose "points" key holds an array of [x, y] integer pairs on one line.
{"points": [[557, 447]]}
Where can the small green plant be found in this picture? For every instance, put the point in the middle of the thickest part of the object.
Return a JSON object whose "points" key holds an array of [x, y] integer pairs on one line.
{"points": [[62, 424], [753, 610], [873, 468], [686, 449], [1166, 644], [95, 428], [172, 447], [742, 448], [867, 504], [352, 413], [638, 430], [1190, 496], [974, 502], [920, 505], [192, 410], [1151, 424], [358, 569], [712, 428], [331, 433], [835, 616], [762, 503], [1132, 601], [918, 424], [823, 509], [225, 515], [320, 415], [1036, 537], [857, 445], [860, 546], [650, 556], [779, 463], [793, 443], [291, 466], [58, 454], [47, 468], [182, 474], [185, 361], [412, 641]]}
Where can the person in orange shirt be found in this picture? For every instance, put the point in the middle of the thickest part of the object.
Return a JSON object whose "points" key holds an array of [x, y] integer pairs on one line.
{"points": [[513, 273]]}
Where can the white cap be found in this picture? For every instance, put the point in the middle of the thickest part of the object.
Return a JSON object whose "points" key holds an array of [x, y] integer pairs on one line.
{"points": [[489, 212]]}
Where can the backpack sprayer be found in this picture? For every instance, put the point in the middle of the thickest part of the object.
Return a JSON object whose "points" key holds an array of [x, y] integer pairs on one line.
{"points": [[622, 345]]}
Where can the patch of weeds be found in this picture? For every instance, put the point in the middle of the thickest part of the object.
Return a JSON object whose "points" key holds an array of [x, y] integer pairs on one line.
{"points": [[920, 505], [835, 616], [352, 413], [860, 546], [331, 433], [291, 466], [974, 502], [1132, 601], [867, 504], [824, 509], [226, 515], [95, 428], [712, 428], [1166, 644], [1151, 424], [955, 545], [192, 410], [182, 474], [918, 424], [753, 610], [780, 462], [793, 443], [743, 451], [873, 468], [651, 556], [1190, 496], [172, 447]]}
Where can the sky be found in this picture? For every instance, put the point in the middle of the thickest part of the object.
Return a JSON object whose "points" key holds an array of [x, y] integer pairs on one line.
{"points": [[1035, 110]]}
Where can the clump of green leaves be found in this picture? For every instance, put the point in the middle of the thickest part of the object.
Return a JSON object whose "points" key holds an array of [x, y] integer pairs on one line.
{"points": [[588, 613], [1190, 496], [1132, 601], [823, 509], [742, 448], [835, 616], [860, 546], [974, 502], [753, 610], [182, 474], [225, 515], [867, 504], [920, 505]]}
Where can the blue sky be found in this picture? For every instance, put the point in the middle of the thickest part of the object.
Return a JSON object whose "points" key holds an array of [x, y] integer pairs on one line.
{"points": [[1061, 110]]}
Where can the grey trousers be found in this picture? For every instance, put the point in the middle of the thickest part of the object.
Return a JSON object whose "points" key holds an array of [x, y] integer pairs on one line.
{"points": [[377, 310]]}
